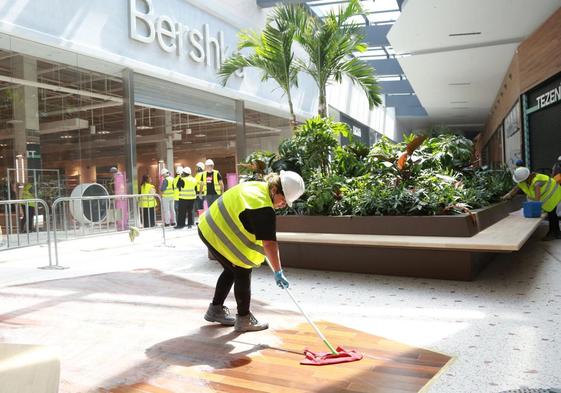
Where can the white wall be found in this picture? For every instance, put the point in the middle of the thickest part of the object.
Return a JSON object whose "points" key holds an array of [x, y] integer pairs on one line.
{"points": [[351, 100]]}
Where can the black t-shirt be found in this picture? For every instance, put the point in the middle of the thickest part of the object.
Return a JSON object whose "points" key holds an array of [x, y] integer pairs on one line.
{"points": [[261, 222], [209, 179]]}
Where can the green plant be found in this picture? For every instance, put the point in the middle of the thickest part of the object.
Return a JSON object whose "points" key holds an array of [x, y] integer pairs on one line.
{"points": [[330, 44], [271, 51], [313, 145]]}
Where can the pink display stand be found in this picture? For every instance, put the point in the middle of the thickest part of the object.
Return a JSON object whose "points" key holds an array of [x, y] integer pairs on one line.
{"points": [[231, 180], [121, 205]]}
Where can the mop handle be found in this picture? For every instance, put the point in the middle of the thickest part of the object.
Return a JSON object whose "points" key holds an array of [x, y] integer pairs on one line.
{"points": [[318, 332]]}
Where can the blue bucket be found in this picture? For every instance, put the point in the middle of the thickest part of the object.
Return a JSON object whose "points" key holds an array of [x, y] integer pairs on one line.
{"points": [[532, 209]]}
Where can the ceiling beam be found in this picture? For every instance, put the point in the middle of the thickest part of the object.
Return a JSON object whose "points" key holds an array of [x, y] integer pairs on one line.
{"points": [[386, 66]]}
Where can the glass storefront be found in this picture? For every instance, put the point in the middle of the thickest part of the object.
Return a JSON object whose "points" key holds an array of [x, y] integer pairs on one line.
{"points": [[62, 125], [59, 125]]}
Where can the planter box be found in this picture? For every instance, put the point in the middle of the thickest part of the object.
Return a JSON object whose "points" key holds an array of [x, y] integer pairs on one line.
{"points": [[426, 263], [461, 225]]}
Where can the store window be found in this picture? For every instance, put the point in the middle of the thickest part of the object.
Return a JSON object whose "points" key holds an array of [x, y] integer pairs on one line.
{"points": [[264, 131], [60, 124], [496, 149]]}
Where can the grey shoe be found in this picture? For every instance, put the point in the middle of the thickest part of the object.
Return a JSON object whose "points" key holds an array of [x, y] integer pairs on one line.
{"points": [[220, 314], [249, 323]]}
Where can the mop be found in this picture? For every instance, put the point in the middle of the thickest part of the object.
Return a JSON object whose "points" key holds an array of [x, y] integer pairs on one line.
{"points": [[334, 356]]}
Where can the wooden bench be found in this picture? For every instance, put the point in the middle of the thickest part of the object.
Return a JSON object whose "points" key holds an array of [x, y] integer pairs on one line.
{"points": [[457, 258]]}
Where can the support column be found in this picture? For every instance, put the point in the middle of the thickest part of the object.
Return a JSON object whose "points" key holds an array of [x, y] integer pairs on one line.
{"points": [[241, 146], [25, 104], [130, 131], [168, 149]]}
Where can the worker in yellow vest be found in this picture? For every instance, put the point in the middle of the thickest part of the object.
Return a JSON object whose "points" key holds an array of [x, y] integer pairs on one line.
{"points": [[199, 202], [240, 231], [27, 209], [178, 171], [147, 203], [187, 194], [539, 187], [167, 189], [212, 185]]}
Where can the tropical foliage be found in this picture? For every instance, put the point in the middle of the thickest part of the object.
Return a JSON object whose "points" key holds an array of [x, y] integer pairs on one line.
{"points": [[419, 176], [328, 43]]}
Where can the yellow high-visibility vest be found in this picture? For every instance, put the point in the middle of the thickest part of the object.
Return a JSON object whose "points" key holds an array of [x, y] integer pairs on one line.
{"points": [[27, 194], [175, 190], [170, 189], [188, 191], [222, 228], [199, 177], [214, 180], [146, 202], [550, 192]]}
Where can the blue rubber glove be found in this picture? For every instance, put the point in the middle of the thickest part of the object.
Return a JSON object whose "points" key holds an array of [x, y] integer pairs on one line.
{"points": [[281, 279]]}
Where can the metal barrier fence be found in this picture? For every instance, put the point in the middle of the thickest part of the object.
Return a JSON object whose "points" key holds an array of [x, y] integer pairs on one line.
{"points": [[22, 221], [93, 215]]}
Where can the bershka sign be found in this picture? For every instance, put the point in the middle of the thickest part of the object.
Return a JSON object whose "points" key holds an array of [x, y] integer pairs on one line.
{"points": [[172, 36], [549, 98]]}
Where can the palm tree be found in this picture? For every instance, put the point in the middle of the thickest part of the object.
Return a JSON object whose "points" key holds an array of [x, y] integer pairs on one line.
{"points": [[330, 44], [271, 51]]}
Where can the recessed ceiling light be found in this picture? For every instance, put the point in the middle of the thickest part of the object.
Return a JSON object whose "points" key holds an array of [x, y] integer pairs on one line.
{"points": [[459, 84], [66, 137], [458, 102], [144, 128], [200, 135], [463, 34], [14, 121], [3, 145], [104, 132]]}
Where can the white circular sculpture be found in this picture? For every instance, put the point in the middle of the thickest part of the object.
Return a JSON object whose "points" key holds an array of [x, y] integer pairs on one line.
{"points": [[89, 211]]}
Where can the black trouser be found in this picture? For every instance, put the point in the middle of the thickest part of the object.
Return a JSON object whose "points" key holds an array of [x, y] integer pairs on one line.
{"points": [[185, 210], [553, 222], [27, 219], [232, 275], [148, 217]]}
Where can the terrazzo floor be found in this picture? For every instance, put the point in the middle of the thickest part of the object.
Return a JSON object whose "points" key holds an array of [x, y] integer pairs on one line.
{"points": [[502, 329]]}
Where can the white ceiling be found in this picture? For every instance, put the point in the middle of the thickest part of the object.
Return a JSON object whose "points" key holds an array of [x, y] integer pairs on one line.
{"points": [[457, 77]]}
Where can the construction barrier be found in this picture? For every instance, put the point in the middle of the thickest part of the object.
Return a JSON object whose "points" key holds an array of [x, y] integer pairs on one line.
{"points": [[82, 216], [23, 224]]}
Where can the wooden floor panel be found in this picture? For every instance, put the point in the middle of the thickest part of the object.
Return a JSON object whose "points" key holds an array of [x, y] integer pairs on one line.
{"points": [[143, 332]]}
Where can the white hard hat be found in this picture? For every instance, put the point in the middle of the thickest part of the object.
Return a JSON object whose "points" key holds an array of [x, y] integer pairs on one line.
{"points": [[209, 162], [520, 174], [200, 165], [165, 171], [187, 170], [178, 170], [292, 186], [559, 158]]}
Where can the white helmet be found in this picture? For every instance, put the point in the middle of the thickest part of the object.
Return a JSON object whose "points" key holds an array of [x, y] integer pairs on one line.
{"points": [[178, 170], [559, 158], [292, 186], [187, 170], [209, 162], [200, 165], [165, 172], [520, 174]]}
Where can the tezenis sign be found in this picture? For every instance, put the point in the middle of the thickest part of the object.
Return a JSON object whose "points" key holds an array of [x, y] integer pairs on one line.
{"points": [[175, 37]]}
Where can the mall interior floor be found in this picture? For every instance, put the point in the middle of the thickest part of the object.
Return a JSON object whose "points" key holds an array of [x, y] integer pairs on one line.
{"points": [[127, 317]]}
